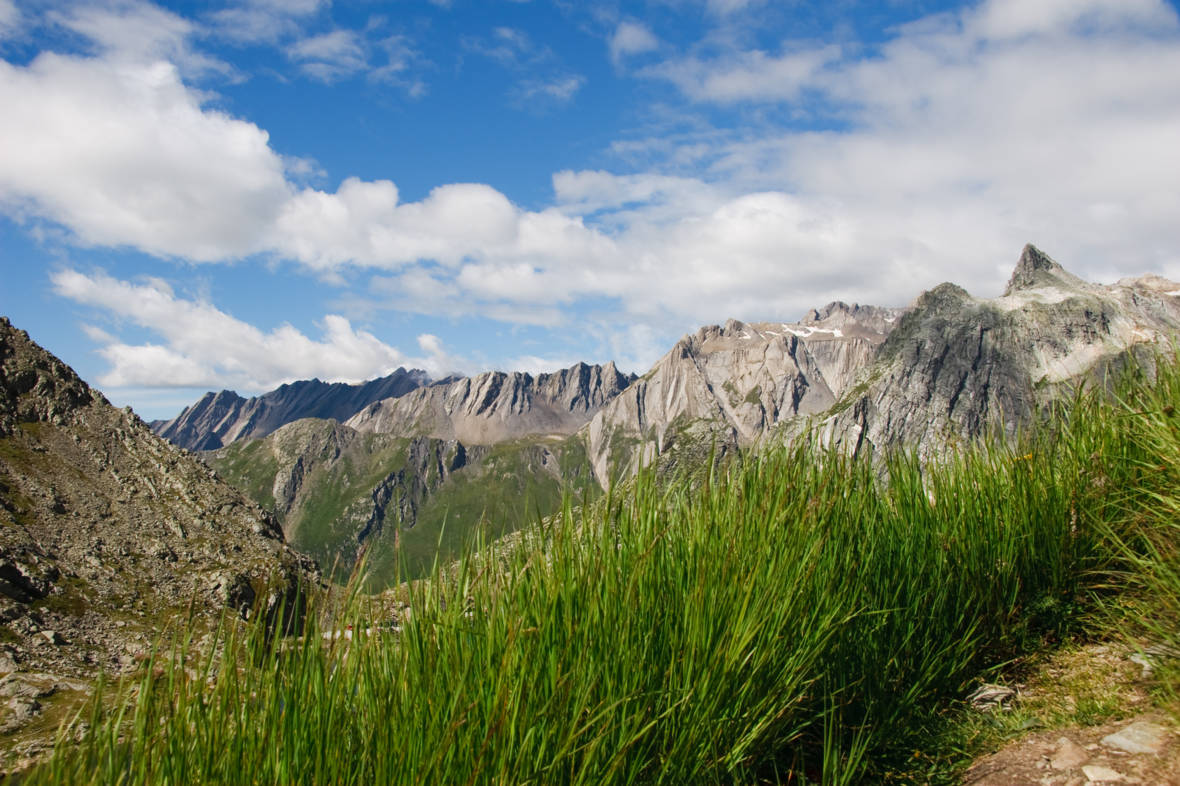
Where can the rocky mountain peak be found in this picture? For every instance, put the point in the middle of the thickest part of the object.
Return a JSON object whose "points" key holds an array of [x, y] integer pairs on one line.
{"points": [[34, 385], [1037, 269], [219, 419], [496, 406], [835, 307]]}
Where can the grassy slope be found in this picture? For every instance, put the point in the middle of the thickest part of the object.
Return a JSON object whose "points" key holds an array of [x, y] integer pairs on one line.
{"points": [[491, 497], [251, 467], [791, 620], [508, 488]]}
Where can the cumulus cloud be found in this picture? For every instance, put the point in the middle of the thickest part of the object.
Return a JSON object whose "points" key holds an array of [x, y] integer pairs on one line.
{"points": [[123, 153], [966, 135], [205, 347]]}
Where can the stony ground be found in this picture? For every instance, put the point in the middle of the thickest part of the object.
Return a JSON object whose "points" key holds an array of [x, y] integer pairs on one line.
{"points": [[1092, 718]]}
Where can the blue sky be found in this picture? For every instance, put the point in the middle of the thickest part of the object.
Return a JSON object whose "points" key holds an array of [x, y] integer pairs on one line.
{"points": [[198, 196]]}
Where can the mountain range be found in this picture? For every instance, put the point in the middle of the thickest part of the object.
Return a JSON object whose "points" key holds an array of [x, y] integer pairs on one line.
{"points": [[417, 472], [218, 419]]}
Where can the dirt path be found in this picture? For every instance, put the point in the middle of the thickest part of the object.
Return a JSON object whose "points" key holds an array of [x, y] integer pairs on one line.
{"points": [[1096, 724], [1144, 749]]}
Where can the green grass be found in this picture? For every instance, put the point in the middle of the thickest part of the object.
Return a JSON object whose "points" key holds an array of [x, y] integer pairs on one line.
{"points": [[793, 619], [251, 467]]}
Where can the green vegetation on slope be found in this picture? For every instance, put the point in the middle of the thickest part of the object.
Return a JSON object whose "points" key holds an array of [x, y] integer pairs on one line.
{"points": [[515, 483], [251, 467], [494, 492], [791, 620]]}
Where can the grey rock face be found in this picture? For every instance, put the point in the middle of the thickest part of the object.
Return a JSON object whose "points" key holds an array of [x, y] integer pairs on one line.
{"points": [[950, 367], [497, 406], [34, 385], [732, 384], [219, 419], [958, 366]]}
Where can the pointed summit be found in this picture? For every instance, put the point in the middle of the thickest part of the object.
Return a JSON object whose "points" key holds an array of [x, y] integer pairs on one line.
{"points": [[1038, 269]]}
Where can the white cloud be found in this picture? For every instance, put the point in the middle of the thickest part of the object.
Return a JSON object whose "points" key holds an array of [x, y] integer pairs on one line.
{"points": [[123, 153], [363, 223], [205, 347], [967, 135], [630, 38], [727, 7], [508, 46], [954, 142], [437, 361], [560, 89], [134, 31], [399, 57], [329, 57], [1000, 19], [10, 17], [752, 75], [264, 21], [537, 365]]}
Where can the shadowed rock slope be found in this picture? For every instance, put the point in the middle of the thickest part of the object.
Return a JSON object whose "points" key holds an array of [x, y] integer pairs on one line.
{"points": [[219, 419], [958, 366], [106, 530]]}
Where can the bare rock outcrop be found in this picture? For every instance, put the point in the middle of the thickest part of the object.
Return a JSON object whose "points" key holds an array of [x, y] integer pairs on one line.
{"points": [[728, 386]]}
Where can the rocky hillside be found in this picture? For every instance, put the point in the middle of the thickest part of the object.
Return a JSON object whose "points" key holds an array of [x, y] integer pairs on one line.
{"points": [[107, 531], [219, 419], [957, 366], [496, 406], [727, 386], [487, 453]]}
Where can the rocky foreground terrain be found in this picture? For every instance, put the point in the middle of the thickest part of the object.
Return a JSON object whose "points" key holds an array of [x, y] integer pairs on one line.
{"points": [[107, 532]]}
